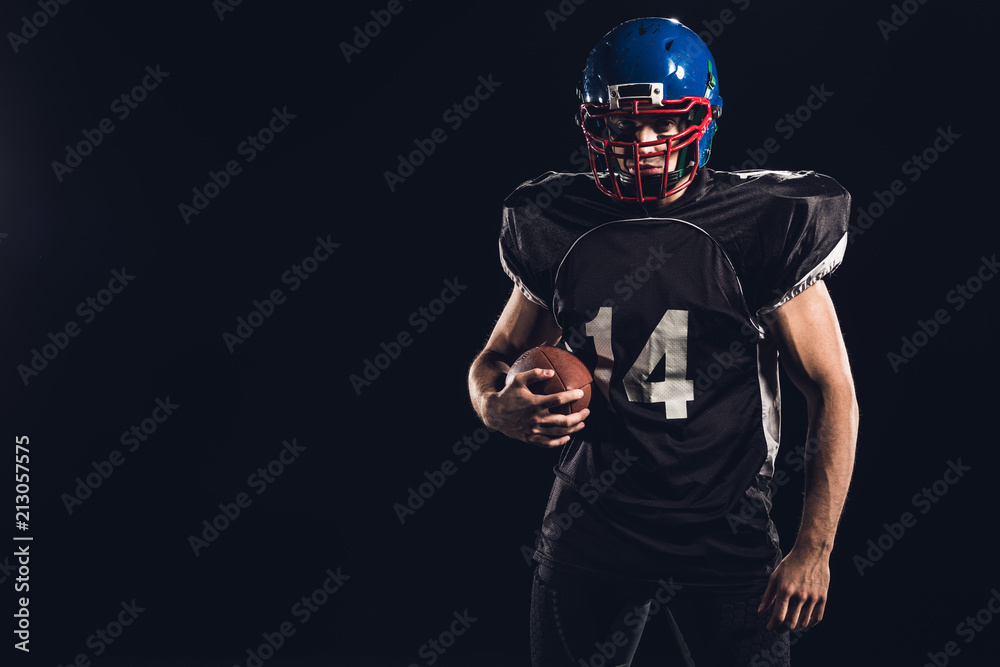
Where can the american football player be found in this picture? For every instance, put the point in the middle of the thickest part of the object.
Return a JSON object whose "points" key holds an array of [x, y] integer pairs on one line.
{"points": [[678, 286]]}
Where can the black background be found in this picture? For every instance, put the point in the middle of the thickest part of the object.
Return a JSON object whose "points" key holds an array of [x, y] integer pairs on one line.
{"points": [[324, 176]]}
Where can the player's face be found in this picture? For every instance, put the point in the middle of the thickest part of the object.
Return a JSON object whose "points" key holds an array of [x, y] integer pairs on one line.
{"points": [[652, 129]]}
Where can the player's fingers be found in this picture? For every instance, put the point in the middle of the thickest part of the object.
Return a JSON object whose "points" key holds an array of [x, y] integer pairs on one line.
{"points": [[558, 432], [556, 420], [767, 599], [560, 398], [816, 614], [530, 376], [805, 614], [554, 432], [796, 614], [548, 442], [778, 616]]}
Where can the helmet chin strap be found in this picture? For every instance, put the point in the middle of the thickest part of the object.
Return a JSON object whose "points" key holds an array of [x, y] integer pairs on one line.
{"points": [[653, 185], [627, 180]]}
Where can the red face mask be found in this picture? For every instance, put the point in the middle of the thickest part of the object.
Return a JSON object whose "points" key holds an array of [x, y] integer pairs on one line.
{"points": [[631, 149]]}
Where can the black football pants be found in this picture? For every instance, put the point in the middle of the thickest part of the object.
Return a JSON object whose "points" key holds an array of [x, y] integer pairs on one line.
{"points": [[579, 621]]}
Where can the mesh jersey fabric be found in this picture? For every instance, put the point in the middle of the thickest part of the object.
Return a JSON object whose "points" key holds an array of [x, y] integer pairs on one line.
{"points": [[670, 312]]}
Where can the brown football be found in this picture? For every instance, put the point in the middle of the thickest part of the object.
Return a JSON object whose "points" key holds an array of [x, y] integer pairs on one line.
{"points": [[571, 373]]}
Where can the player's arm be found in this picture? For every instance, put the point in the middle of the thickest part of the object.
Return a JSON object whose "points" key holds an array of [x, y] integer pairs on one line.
{"points": [[813, 354], [511, 408]]}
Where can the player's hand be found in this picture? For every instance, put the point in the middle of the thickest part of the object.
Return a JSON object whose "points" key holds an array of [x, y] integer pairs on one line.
{"points": [[518, 413], [797, 589]]}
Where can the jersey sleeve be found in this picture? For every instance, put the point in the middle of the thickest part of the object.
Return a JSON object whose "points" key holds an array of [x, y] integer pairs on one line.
{"points": [[515, 264], [541, 219], [805, 237]]}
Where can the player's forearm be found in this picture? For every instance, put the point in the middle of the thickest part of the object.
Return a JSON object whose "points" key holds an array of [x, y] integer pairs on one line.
{"points": [[486, 377], [833, 428]]}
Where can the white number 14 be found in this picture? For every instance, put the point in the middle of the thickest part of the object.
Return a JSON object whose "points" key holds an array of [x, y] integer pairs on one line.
{"points": [[668, 342]]}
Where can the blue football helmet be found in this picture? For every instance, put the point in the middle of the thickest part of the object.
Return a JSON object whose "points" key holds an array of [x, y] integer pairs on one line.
{"points": [[649, 66]]}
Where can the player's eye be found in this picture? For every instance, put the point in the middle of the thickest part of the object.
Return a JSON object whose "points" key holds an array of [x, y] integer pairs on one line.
{"points": [[625, 127], [666, 127], [621, 127]]}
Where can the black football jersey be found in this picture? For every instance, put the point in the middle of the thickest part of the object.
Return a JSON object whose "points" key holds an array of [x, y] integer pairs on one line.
{"points": [[670, 312]]}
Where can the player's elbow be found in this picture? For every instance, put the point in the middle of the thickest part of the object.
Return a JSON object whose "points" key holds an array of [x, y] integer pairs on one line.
{"points": [[835, 395]]}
